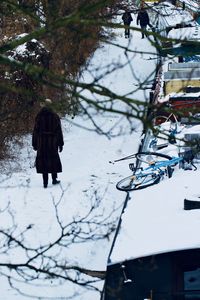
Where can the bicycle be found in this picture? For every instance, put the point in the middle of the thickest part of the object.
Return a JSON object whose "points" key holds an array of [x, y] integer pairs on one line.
{"points": [[159, 165], [166, 126]]}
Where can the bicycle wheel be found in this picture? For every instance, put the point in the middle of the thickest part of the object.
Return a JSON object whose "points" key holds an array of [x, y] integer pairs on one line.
{"points": [[151, 157], [133, 182]]}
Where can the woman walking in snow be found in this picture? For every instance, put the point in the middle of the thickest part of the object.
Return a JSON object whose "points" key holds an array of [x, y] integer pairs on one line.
{"points": [[46, 140]]}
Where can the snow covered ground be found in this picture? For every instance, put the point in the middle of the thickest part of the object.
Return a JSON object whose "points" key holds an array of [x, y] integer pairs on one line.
{"points": [[86, 173]]}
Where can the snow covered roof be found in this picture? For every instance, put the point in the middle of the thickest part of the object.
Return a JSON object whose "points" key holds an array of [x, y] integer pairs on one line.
{"points": [[186, 33], [171, 15], [185, 65], [192, 4], [172, 70], [192, 95], [155, 221], [184, 95], [180, 74]]}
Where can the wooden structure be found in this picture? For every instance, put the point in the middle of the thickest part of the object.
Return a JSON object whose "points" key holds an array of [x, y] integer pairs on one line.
{"points": [[180, 76]]}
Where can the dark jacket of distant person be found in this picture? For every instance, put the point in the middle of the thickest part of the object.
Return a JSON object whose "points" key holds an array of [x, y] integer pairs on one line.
{"points": [[46, 140], [127, 18], [143, 18]]}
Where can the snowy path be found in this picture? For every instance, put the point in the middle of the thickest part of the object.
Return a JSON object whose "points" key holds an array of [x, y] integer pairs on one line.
{"points": [[86, 169]]}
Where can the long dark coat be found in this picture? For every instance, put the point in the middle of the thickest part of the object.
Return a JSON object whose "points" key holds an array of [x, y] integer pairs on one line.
{"points": [[47, 137]]}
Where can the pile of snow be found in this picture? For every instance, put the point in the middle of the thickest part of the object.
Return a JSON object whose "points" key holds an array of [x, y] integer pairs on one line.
{"points": [[157, 213], [32, 51]]}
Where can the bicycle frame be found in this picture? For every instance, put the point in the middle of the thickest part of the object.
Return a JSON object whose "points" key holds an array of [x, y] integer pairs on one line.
{"points": [[171, 162], [157, 167], [145, 177]]}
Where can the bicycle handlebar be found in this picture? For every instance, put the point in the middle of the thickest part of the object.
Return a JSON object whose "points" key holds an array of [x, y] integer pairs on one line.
{"points": [[123, 158]]}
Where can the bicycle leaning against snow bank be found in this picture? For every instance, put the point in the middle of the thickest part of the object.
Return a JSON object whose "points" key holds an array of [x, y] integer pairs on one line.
{"points": [[159, 166]]}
